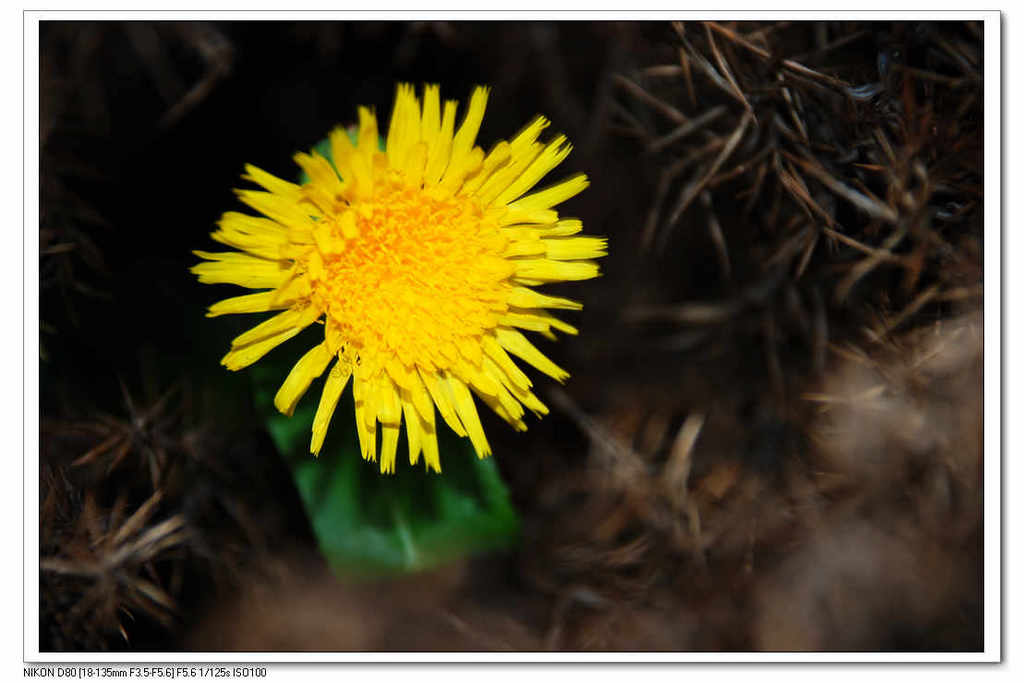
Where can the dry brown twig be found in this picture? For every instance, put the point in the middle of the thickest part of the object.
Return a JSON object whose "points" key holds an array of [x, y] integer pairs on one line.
{"points": [[114, 556], [148, 433]]}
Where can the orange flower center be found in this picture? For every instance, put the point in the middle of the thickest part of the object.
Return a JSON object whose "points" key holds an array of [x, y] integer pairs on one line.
{"points": [[409, 275]]}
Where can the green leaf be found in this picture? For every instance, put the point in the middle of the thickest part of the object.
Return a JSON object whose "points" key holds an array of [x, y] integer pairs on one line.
{"points": [[368, 523]]}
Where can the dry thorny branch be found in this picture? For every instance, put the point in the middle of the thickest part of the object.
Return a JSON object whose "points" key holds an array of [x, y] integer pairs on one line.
{"points": [[105, 561], [148, 435], [842, 208], [841, 182]]}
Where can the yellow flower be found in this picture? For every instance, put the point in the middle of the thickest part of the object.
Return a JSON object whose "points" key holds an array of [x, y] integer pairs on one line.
{"points": [[419, 261]]}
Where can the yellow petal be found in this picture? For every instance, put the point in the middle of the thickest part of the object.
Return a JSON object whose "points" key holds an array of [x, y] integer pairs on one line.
{"points": [[524, 297], [366, 419], [556, 194], [441, 394], [412, 427], [525, 247], [421, 397], [568, 248], [404, 130], [566, 226], [389, 414], [554, 153], [550, 321], [515, 343], [337, 378], [497, 156], [285, 211], [507, 408], [481, 382], [259, 236], [244, 356], [545, 270], [320, 172], [516, 390], [415, 164], [507, 400], [512, 372], [272, 183], [466, 410], [459, 169], [234, 221], [504, 177], [341, 151], [429, 441], [466, 137], [439, 153], [295, 319], [524, 139], [236, 268], [310, 366], [526, 321], [275, 299], [368, 137], [430, 126], [527, 216], [361, 163], [389, 408]]}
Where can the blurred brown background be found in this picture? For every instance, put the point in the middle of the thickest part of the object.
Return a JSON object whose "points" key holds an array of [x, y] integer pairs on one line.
{"points": [[772, 436]]}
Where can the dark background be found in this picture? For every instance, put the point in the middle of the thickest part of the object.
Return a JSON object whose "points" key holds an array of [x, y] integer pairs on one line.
{"points": [[789, 530]]}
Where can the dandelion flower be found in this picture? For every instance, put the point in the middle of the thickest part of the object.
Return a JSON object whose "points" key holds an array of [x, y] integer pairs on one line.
{"points": [[420, 261]]}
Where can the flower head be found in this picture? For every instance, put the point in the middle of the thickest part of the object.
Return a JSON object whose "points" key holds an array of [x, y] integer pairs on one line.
{"points": [[420, 261]]}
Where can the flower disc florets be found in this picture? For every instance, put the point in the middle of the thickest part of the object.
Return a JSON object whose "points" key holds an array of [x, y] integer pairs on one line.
{"points": [[420, 262]]}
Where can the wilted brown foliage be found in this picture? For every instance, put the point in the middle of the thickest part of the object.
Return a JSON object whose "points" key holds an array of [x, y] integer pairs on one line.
{"points": [[772, 438]]}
